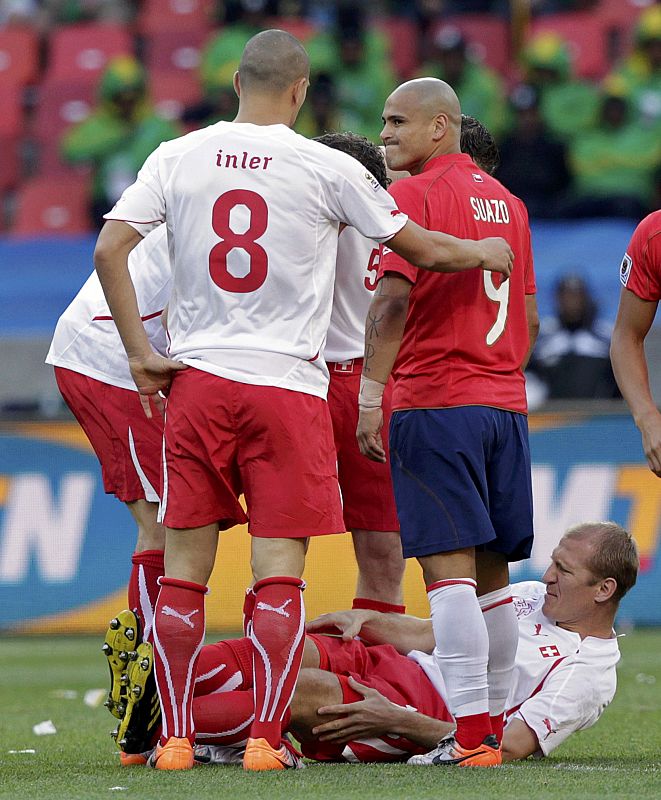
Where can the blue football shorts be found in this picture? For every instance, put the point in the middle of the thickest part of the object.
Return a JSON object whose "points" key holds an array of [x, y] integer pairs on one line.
{"points": [[462, 479]]}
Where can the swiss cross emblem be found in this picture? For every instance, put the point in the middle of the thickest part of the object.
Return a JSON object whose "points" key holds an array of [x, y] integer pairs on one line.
{"points": [[549, 651]]}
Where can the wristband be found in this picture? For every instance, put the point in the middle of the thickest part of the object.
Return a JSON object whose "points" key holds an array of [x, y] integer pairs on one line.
{"points": [[371, 393]]}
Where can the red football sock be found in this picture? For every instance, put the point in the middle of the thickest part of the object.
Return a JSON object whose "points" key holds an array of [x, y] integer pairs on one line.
{"points": [[278, 637], [224, 667], [497, 725], [226, 718], [143, 587], [248, 608], [178, 638], [472, 729]]}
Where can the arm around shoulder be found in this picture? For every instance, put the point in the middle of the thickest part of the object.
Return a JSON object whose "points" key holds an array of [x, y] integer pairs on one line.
{"points": [[440, 252]]}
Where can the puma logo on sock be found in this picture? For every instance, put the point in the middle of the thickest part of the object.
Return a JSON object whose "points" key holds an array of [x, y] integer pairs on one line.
{"points": [[185, 618], [276, 610]]}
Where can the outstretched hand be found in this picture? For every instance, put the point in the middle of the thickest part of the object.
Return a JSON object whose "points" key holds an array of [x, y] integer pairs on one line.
{"points": [[370, 717], [346, 623], [153, 375]]}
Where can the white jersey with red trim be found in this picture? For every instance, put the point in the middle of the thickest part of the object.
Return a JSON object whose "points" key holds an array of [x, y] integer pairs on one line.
{"points": [[355, 281], [253, 213], [561, 683], [86, 339]]}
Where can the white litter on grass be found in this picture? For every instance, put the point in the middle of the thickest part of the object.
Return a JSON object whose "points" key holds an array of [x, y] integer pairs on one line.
{"points": [[44, 728], [64, 694], [118, 789], [94, 697], [30, 752]]}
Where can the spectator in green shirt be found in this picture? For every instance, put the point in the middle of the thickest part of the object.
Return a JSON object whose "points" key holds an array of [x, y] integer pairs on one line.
{"points": [[614, 163], [221, 55], [357, 57], [118, 135], [567, 105], [641, 72], [480, 89]]}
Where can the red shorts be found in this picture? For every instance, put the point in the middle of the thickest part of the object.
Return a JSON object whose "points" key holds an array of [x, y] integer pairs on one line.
{"points": [[127, 444], [397, 677], [367, 494], [224, 438]]}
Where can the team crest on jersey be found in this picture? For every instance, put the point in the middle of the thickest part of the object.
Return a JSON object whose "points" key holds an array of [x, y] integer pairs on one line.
{"points": [[372, 181], [625, 269], [477, 177]]}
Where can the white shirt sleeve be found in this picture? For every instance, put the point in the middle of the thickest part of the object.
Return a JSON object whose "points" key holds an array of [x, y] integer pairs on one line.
{"points": [[568, 702], [351, 194], [142, 205]]}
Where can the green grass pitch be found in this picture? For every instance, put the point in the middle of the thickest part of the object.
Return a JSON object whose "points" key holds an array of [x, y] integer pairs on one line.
{"points": [[46, 678]]}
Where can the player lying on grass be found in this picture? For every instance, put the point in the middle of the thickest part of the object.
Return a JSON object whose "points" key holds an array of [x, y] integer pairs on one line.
{"points": [[381, 698]]}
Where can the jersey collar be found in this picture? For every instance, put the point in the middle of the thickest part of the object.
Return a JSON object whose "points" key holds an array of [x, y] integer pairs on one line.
{"points": [[446, 160]]}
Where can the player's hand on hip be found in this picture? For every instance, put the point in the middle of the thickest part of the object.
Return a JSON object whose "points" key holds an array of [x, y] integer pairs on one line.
{"points": [[152, 374], [498, 256], [368, 433], [347, 623], [371, 717], [650, 429]]}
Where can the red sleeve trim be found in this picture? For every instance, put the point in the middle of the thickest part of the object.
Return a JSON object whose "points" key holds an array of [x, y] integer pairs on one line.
{"points": [[144, 319], [536, 690], [132, 221]]}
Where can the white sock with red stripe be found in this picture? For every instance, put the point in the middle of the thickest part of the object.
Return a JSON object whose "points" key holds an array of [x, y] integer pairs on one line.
{"points": [[461, 652], [277, 631], [178, 638], [143, 586], [503, 628]]}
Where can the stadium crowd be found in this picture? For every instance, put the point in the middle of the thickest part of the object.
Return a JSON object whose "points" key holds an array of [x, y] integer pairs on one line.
{"points": [[570, 90]]}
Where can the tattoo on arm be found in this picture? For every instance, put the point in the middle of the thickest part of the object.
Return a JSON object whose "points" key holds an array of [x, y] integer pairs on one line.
{"points": [[369, 352], [373, 324]]}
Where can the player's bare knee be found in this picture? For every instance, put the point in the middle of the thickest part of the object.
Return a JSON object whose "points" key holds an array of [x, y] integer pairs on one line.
{"points": [[315, 688], [151, 534]]}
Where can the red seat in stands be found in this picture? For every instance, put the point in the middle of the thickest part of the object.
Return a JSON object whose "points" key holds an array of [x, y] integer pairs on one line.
{"points": [[19, 55], [45, 206], [175, 15], [80, 52], [587, 36]]}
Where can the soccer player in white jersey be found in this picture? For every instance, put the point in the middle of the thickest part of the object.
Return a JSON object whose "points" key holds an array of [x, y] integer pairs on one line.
{"points": [[387, 701], [252, 211], [94, 379], [93, 376]]}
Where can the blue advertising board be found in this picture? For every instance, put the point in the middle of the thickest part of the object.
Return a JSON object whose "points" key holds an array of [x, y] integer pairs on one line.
{"points": [[65, 546]]}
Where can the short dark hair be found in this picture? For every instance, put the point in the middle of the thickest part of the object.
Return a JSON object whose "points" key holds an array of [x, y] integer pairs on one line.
{"points": [[479, 144], [361, 149], [613, 554]]}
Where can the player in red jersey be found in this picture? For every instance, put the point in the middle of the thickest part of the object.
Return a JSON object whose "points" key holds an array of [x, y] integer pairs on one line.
{"points": [[251, 299], [640, 274], [458, 435]]}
